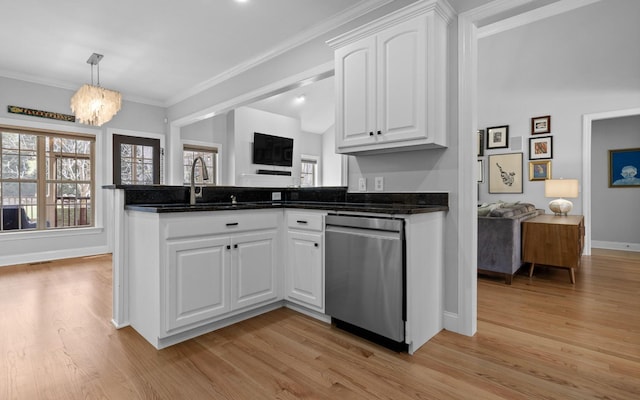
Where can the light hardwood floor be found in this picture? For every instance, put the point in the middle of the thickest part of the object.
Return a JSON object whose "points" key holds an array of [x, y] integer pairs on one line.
{"points": [[538, 338]]}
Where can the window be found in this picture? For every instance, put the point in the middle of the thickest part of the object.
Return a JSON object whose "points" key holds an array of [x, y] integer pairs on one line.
{"points": [[308, 172], [210, 157], [47, 179], [136, 160]]}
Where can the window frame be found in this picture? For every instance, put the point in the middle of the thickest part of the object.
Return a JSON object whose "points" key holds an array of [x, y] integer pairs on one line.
{"points": [[119, 139], [309, 159], [45, 176], [214, 175]]}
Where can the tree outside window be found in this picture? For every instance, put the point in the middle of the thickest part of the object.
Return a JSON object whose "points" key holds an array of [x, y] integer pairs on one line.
{"points": [[210, 157], [308, 172]]}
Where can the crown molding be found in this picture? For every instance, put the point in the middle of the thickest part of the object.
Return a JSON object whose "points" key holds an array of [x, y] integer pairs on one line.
{"points": [[342, 18]]}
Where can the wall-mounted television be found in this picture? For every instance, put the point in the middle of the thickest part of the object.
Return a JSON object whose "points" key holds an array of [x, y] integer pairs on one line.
{"points": [[272, 150]]}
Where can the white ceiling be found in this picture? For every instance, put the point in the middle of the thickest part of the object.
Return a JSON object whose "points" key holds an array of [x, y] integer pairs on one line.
{"points": [[157, 52]]}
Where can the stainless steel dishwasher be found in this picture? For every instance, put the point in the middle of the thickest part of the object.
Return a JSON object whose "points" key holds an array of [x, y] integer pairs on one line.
{"points": [[365, 276]]}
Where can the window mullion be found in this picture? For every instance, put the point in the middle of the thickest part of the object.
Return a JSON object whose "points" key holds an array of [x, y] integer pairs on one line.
{"points": [[41, 187]]}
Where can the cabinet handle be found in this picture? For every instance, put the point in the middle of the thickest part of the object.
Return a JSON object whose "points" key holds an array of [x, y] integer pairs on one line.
{"points": [[301, 221], [379, 132], [371, 133], [232, 224]]}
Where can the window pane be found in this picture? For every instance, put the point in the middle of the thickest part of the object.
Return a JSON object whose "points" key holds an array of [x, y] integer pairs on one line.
{"points": [[10, 193], [10, 141], [125, 150], [28, 142], [10, 163], [83, 146]]}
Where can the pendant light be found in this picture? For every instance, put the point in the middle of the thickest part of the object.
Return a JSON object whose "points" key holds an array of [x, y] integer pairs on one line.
{"points": [[95, 105]]}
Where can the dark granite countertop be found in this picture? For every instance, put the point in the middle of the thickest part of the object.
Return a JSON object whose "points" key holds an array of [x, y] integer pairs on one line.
{"points": [[382, 208]]}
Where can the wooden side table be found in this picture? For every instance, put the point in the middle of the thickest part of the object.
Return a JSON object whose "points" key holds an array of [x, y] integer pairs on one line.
{"points": [[553, 240]]}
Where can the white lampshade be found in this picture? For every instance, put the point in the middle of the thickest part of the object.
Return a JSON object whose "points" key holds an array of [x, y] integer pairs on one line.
{"points": [[561, 188]]}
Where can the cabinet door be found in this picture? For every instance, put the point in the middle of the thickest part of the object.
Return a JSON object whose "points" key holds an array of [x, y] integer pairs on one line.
{"points": [[254, 269], [304, 271], [355, 88], [401, 81], [196, 281]]}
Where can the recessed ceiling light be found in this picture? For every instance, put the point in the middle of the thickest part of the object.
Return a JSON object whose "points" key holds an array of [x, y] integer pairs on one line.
{"points": [[300, 99], [242, 1]]}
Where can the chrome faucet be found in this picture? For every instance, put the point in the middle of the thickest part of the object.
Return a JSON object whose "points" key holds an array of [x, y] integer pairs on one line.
{"points": [[205, 177], [234, 200]]}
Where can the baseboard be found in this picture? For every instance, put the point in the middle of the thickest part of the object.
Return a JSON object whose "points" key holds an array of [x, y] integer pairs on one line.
{"points": [[615, 245], [451, 322], [52, 255]]}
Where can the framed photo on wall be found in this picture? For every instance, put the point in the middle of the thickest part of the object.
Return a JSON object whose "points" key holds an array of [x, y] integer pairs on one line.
{"points": [[541, 125], [624, 166], [505, 173], [480, 171], [480, 142], [498, 137], [539, 170], [541, 148]]}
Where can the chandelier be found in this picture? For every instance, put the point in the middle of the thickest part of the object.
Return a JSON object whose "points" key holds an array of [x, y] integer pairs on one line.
{"points": [[95, 105]]}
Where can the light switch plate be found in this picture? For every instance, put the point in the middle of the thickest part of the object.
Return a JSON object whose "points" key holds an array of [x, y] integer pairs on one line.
{"points": [[379, 183], [362, 184]]}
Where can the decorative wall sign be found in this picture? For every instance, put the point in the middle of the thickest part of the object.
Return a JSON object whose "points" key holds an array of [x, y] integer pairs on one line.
{"points": [[541, 148], [624, 165], [505, 173], [42, 114], [539, 170], [541, 125], [498, 137]]}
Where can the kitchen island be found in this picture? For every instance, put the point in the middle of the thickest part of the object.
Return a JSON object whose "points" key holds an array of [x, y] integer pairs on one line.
{"points": [[185, 270]]}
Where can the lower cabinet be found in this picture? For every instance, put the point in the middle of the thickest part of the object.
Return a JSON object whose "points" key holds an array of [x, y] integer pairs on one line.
{"points": [[304, 270]]}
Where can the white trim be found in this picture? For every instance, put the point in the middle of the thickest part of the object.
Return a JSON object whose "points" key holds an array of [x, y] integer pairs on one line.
{"points": [[587, 121], [529, 17], [345, 16], [598, 244], [27, 258]]}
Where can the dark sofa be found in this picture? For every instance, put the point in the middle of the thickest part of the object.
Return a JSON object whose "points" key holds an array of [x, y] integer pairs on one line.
{"points": [[499, 237]]}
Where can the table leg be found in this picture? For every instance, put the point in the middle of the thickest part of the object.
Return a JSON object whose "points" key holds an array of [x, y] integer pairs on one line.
{"points": [[531, 269], [572, 275]]}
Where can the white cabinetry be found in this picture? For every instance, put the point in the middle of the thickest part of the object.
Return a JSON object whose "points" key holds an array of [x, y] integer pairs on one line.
{"points": [[304, 270], [189, 270], [391, 81]]}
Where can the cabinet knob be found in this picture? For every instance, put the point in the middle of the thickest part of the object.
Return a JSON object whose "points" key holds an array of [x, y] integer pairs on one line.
{"points": [[316, 244], [228, 247], [371, 133], [379, 132], [235, 246]]}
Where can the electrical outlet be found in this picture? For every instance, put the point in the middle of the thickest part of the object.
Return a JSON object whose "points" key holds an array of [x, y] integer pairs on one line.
{"points": [[379, 183], [362, 184], [275, 196]]}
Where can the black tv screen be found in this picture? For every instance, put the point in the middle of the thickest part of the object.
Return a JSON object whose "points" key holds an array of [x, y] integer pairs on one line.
{"points": [[272, 150]]}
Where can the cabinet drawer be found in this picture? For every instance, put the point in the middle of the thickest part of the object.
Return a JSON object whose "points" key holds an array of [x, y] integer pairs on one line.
{"points": [[305, 220], [218, 222]]}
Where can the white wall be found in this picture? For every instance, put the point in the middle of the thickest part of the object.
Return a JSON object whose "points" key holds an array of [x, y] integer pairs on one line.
{"points": [[615, 218], [25, 247], [576, 63], [331, 162], [249, 120]]}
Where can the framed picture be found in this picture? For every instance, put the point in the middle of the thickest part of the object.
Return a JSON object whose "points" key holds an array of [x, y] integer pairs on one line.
{"points": [[480, 142], [541, 125], [541, 148], [480, 171], [539, 170], [498, 137], [624, 165], [505, 173]]}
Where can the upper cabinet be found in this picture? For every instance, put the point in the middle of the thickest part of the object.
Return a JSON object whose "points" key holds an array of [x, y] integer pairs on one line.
{"points": [[391, 81]]}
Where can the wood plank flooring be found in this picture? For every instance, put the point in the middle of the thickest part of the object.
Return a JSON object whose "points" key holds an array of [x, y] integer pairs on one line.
{"points": [[538, 338]]}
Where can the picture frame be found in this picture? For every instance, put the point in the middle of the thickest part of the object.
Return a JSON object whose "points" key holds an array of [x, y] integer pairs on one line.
{"points": [[480, 144], [539, 170], [505, 173], [480, 171], [624, 166], [541, 148], [498, 137], [540, 125]]}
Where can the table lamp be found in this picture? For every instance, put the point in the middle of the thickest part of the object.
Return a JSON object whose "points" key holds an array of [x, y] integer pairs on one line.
{"points": [[561, 188]]}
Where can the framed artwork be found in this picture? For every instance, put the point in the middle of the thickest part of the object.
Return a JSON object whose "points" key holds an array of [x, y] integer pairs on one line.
{"points": [[541, 125], [624, 165], [539, 170], [480, 171], [480, 142], [541, 148], [498, 137], [505, 173]]}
